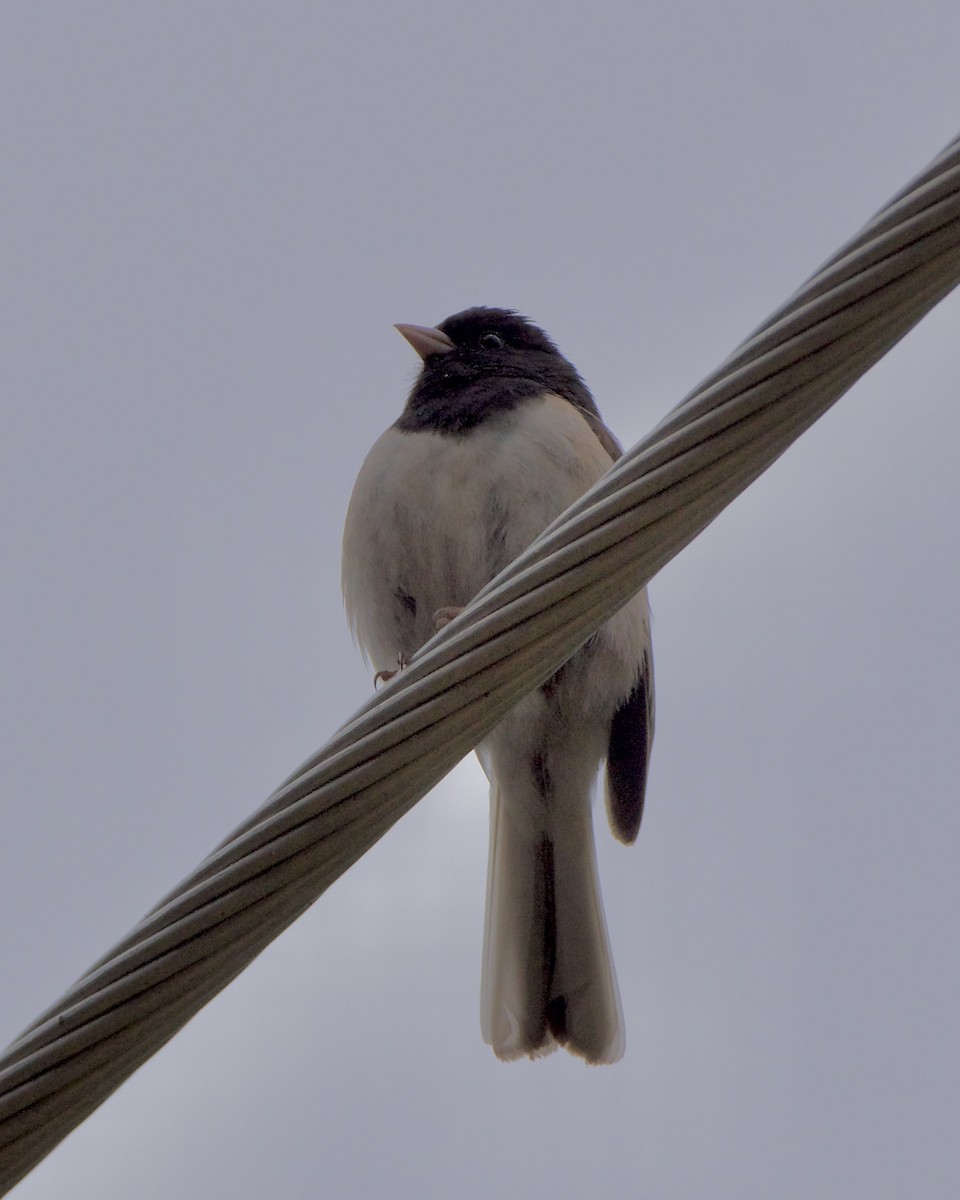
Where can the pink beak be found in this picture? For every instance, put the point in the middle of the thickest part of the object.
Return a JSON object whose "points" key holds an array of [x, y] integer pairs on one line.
{"points": [[426, 340]]}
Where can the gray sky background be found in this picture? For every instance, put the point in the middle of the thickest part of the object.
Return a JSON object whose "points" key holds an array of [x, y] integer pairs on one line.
{"points": [[212, 215]]}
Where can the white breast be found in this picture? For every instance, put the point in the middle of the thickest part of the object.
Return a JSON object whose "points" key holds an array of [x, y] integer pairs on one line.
{"points": [[433, 517]]}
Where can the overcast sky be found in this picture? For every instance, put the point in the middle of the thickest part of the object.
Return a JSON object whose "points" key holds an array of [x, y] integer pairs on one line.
{"points": [[212, 213]]}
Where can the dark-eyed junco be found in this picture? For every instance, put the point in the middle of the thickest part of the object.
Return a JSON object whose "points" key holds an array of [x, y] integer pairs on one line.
{"points": [[499, 435]]}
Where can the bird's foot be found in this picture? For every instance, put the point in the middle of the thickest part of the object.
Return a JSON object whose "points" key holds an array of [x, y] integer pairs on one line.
{"points": [[386, 676], [443, 616]]}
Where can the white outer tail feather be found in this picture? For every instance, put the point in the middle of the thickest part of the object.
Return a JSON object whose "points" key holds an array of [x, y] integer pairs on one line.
{"points": [[537, 878]]}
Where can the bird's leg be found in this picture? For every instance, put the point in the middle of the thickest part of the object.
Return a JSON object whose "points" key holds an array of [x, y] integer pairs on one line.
{"points": [[443, 616], [386, 676]]}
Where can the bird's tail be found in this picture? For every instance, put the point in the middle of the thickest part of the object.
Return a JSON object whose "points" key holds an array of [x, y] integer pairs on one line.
{"points": [[548, 976]]}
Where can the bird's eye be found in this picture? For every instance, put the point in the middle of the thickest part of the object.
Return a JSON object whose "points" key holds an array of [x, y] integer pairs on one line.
{"points": [[491, 341]]}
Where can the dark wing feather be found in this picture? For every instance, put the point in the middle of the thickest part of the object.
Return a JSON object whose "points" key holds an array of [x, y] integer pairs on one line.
{"points": [[631, 731], [631, 736]]}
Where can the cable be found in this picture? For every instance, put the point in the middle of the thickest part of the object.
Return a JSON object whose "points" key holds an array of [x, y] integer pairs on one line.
{"points": [[512, 637]]}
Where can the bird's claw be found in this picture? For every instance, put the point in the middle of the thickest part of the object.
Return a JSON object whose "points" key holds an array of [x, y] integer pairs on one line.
{"points": [[443, 616], [386, 676]]}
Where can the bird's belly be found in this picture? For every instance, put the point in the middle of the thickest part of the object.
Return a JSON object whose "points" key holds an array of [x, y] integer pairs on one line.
{"points": [[435, 516]]}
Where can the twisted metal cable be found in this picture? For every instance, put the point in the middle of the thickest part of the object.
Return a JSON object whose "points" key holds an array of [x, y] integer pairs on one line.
{"points": [[513, 636]]}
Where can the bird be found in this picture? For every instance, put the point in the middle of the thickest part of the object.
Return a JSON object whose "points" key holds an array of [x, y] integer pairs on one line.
{"points": [[500, 434]]}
